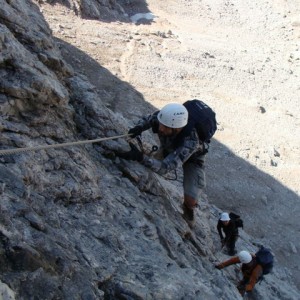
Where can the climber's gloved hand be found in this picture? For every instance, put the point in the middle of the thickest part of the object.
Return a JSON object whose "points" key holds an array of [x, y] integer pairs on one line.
{"points": [[135, 131], [218, 267], [134, 154], [242, 291]]}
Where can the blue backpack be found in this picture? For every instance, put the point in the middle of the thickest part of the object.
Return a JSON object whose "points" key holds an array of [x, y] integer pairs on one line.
{"points": [[203, 118], [265, 258]]}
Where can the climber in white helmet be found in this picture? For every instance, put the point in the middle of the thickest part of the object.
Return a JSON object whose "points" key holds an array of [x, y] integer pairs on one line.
{"points": [[181, 145], [228, 225], [252, 271]]}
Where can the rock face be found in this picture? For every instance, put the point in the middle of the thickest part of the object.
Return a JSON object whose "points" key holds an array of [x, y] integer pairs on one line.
{"points": [[76, 223], [105, 10]]}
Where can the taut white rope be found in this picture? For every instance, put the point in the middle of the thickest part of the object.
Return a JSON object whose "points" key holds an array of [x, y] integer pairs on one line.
{"points": [[19, 150]]}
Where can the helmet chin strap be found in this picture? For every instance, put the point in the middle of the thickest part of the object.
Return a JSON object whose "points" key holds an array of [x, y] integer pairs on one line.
{"points": [[175, 131]]}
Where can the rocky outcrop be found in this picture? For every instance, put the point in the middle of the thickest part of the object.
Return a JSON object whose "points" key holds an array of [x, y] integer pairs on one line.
{"points": [[105, 10], [76, 222]]}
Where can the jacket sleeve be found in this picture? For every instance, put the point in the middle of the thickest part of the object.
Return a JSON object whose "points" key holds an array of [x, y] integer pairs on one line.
{"points": [[231, 261], [148, 121], [178, 157], [219, 228], [255, 275]]}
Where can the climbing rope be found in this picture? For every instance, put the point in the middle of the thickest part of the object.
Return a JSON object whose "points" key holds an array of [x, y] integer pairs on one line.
{"points": [[19, 150]]}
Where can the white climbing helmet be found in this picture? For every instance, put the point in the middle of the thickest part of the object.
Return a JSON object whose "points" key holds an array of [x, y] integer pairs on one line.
{"points": [[225, 217], [173, 115], [245, 257]]}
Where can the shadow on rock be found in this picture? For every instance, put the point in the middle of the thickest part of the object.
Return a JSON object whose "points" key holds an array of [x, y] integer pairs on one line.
{"points": [[270, 209], [116, 94], [109, 11]]}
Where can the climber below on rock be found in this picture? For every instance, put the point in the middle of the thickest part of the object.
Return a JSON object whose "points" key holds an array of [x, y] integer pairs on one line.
{"points": [[254, 267]]}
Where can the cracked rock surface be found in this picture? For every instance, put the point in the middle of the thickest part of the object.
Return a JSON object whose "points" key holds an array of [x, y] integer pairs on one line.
{"points": [[79, 223]]}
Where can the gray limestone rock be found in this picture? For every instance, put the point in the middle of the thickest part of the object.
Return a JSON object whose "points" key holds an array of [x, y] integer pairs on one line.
{"points": [[74, 223]]}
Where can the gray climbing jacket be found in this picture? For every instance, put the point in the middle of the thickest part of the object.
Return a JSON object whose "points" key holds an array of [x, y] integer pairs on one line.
{"points": [[182, 148]]}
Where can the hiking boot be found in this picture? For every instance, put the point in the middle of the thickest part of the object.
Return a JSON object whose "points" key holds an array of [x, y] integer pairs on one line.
{"points": [[188, 215]]}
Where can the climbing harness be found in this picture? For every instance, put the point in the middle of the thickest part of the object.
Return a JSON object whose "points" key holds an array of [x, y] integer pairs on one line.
{"points": [[154, 149], [140, 143], [19, 150], [139, 140]]}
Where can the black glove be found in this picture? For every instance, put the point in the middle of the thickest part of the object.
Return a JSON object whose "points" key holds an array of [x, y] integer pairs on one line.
{"points": [[218, 267], [134, 154], [135, 131], [241, 289]]}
